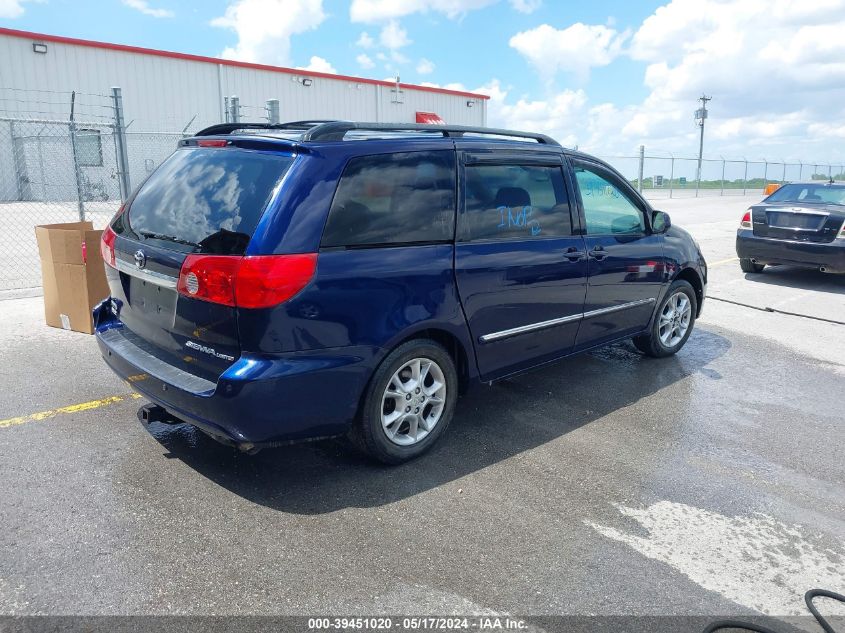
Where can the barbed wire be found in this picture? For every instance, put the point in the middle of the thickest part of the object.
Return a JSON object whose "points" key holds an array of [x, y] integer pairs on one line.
{"points": [[57, 92]]}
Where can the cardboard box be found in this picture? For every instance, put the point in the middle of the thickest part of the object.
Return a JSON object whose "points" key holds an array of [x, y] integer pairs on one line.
{"points": [[73, 274]]}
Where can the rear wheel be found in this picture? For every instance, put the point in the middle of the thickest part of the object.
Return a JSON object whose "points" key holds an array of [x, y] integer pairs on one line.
{"points": [[409, 403], [673, 322], [750, 267]]}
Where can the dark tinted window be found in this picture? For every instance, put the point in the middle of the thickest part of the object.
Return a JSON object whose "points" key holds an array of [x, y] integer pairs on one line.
{"points": [[516, 201], [394, 199], [205, 200]]}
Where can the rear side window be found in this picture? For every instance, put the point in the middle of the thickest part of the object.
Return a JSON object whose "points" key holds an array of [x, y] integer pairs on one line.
{"points": [[205, 200], [401, 198], [516, 201]]}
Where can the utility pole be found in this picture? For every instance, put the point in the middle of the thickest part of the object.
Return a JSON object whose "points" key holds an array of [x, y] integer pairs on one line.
{"points": [[700, 118]]}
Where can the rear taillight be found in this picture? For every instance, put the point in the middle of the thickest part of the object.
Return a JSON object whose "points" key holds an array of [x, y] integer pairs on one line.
{"points": [[108, 238], [268, 280], [745, 223], [259, 281], [107, 246], [209, 277]]}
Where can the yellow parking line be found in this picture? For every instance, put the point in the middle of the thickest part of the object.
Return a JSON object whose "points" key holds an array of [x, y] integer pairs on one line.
{"points": [[74, 408], [723, 261]]}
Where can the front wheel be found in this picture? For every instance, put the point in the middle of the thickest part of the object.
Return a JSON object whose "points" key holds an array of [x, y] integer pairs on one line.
{"points": [[748, 266], [673, 322], [409, 403]]}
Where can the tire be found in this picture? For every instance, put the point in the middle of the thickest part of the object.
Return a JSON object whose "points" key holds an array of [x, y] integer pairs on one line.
{"points": [[420, 412], [750, 267], [668, 337]]}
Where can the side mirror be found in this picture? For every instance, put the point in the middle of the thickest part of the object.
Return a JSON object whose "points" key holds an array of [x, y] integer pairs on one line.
{"points": [[660, 221]]}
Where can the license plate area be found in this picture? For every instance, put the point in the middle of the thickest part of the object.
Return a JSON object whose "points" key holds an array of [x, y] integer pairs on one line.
{"points": [[152, 302], [797, 221]]}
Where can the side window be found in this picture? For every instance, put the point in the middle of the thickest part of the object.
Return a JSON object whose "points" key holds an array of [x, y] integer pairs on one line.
{"points": [[607, 210], [394, 199], [516, 201]]}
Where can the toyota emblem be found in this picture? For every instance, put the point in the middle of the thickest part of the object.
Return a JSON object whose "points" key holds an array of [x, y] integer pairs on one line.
{"points": [[140, 259]]}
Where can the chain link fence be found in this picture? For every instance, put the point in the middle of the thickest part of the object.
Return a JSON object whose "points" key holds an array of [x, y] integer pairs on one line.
{"points": [[58, 170], [679, 176]]}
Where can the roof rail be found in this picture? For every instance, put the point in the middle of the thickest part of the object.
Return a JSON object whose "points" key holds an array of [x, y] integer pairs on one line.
{"points": [[320, 130], [337, 130], [228, 128]]}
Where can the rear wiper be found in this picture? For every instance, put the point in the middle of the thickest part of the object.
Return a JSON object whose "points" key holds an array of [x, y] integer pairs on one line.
{"points": [[169, 238]]}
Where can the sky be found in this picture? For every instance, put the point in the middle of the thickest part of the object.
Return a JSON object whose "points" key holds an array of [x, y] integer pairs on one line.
{"points": [[607, 75]]}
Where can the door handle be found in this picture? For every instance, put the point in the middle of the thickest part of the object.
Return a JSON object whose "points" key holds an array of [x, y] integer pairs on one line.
{"points": [[573, 254], [598, 253]]}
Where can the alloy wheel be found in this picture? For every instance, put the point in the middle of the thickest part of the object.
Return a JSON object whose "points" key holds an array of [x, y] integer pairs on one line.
{"points": [[674, 319], [413, 401]]}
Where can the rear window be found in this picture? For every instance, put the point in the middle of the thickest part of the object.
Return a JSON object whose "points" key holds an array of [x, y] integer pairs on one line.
{"points": [[205, 200], [821, 193], [388, 199]]}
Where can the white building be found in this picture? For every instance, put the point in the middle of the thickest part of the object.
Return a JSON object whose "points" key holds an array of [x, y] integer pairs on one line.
{"points": [[163, 93]]}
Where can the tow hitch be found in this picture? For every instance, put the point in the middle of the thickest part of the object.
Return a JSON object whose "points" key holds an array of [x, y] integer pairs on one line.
{"points": [[153, 413]]}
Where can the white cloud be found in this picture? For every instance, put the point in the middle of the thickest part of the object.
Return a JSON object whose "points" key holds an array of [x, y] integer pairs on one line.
{"points": [[559, 116], [398, 57], [144, 7], [393, 36], [743, 49], [425, 66], [319, 65], [264, 27], [11, 8], [364, 61], [526, 6], [370, 11], [365, 41], [776, 71], [574, 49]]}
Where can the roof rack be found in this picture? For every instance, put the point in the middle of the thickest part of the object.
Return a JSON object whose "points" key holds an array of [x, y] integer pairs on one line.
{"points": [[337, 130]]}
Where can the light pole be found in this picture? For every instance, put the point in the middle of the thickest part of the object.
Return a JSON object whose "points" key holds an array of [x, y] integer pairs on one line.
{"points": [[700, 118]]}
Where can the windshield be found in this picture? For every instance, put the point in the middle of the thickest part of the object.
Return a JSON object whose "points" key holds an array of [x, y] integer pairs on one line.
{"points": [[204, 200], [822, 193]]}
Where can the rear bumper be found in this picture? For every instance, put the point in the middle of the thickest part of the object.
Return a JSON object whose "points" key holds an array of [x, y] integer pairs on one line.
{"points": [[258, 400], [764, 250]]}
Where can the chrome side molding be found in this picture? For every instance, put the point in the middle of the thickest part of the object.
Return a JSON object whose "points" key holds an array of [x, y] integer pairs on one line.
{"points": [[617, 308], [495, 336], [541, 325]]}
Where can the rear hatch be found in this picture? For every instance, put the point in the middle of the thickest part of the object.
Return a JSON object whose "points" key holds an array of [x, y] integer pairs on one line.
{"points": [[200, 201]]}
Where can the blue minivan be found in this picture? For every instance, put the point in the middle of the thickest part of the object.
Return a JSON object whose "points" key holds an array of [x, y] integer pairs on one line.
{"points": [[279, 283]]}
